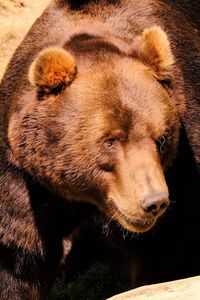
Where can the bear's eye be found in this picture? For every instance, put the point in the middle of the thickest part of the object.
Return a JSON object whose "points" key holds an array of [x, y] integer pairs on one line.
{"points": [[111, 141], [107, 167]]}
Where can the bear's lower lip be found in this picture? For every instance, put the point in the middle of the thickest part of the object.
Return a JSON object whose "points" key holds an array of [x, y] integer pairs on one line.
{"points": [[134, 224], [137, 225]]}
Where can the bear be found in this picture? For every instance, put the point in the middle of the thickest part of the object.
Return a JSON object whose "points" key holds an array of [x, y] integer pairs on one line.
{"points": [[99, 115]]}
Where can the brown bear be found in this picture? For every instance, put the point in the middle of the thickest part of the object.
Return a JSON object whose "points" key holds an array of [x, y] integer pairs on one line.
{"points": [[92, 106]]}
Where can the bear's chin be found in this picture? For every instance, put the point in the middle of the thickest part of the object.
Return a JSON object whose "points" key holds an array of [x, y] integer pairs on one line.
{"points": [[136, 225]]}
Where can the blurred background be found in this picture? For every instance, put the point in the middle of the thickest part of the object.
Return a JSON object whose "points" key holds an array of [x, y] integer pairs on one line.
{"points": [[16, 17]]}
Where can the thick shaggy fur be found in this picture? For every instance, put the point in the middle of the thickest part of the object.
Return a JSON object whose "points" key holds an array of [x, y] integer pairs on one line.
{"points": [[96, 88]]}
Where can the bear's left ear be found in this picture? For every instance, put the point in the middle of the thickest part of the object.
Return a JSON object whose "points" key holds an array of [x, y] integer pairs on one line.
{"points": [[154, 50], [52, 70]]}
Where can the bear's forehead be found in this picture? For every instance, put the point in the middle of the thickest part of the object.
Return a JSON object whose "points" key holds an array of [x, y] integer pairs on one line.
{"points": [[125, 86], [119, 98]]}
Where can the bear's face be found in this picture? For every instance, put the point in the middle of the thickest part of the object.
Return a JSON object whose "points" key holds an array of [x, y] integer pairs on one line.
{"points": [[101, 129]]}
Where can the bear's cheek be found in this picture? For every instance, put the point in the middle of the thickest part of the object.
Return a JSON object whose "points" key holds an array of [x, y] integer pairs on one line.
{"points": [[14, 138], [167, 146], [28, 143]]}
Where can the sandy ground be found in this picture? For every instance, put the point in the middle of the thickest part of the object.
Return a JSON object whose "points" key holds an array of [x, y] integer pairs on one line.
{"points": [[16, 17]]}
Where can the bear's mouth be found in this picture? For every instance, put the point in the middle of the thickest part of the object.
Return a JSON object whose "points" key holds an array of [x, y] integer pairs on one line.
{"points": [[137, 225], [132, 224]]}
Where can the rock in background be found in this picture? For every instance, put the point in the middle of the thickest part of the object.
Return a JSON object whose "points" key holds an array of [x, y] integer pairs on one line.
{"points": [[185, 289]]}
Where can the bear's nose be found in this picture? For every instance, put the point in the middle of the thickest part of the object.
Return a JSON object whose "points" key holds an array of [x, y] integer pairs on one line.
{"points": [[156, 203]]}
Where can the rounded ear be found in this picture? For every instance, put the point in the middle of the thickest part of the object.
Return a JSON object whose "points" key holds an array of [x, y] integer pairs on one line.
{"points": [[52, 70], [154, 50]]}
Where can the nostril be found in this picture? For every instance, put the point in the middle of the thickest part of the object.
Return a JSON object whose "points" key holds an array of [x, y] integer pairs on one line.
{"points": [[152, 208], [155, 203]]}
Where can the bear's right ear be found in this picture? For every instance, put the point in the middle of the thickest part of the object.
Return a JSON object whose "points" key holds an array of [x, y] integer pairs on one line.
{"points": [[52, 70]]}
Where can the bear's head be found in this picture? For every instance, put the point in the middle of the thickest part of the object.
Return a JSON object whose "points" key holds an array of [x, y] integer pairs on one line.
{"points": [[99, 123]]}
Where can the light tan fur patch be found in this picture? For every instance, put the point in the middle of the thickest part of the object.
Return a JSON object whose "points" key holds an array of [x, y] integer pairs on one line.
{"points": [[52, 67], [153, 48]]}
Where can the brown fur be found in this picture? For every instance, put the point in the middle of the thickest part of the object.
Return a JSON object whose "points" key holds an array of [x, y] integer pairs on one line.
{"points": [[153, 48], [98, 121], [52, 68], [94, 115]]}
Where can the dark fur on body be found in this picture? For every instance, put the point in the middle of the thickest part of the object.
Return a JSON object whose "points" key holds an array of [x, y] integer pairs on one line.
{"points": [[34, 220]]}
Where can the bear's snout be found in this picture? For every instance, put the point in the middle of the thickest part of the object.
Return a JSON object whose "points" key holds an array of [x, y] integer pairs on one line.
{"points": [[155, 204]]}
